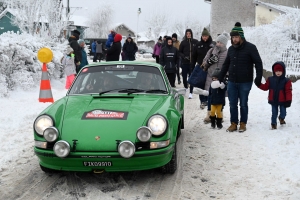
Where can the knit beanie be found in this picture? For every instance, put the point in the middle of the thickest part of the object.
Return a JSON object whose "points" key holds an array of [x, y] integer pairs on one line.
{"points": [[216, 73], [80, 41], [237, 30], [160, 38], [174, 35], [278, 67], [223, 38], [205, 32], [169, 38], [118, 37]]}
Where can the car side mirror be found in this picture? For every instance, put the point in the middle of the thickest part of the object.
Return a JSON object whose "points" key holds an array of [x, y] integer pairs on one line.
{"points": [[181, 91]]}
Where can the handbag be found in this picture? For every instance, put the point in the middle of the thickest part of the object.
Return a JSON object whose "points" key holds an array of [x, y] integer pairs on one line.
{"points": [[198, 77]]}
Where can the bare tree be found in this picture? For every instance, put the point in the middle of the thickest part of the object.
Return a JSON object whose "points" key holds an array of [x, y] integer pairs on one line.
{"points": [[192, 23], [156, 24], [100, 21]]}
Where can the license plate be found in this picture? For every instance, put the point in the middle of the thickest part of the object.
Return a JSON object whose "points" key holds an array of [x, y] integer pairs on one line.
{"points": [[97, 164]]}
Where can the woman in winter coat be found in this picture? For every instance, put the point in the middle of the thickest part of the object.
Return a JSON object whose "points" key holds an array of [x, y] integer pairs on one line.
{"points": [[84, 60], [113, 53], [169, 58], [69, 66], [157, 49], [214, 58], [129, 49]]}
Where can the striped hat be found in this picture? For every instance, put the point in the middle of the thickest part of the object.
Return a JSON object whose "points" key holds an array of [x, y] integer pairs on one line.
{"points": [[237, 30]]}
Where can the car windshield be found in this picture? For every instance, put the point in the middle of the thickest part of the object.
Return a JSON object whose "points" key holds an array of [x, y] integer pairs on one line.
{"points": [[119, 79]]}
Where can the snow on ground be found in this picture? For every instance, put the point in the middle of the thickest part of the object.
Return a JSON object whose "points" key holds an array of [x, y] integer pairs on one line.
{"points": [[257, 164]]}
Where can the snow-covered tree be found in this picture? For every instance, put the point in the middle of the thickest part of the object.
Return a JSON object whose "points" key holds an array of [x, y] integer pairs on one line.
{"points": [[157, 23], [100, 20]]}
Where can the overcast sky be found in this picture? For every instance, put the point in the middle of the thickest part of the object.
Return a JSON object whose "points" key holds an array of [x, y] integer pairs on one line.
{"points": [[125, 11]]}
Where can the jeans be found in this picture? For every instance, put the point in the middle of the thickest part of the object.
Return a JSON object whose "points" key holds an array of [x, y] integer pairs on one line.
{"points": [[275, 113], [171, 78], [238, 92], [186, 69], [203, 98]]}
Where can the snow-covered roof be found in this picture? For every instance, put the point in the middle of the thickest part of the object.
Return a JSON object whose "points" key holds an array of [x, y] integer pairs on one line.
{"points": [[79, 20], [278, 8], [15, 13], [116, 25], [143, 37]]}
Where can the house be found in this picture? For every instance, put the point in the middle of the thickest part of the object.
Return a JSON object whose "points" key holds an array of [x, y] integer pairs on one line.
{"points": [[224, 14], [76, 22], [144, 40], [5, 21], [124, 30]]}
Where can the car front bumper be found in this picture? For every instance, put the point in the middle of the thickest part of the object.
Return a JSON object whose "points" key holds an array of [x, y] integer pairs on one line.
{"points": [[142, 160]]}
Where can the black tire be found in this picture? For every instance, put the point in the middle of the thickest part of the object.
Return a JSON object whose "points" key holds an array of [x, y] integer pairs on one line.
{"points": [[171, 167], [47, 170], [182, 121]]}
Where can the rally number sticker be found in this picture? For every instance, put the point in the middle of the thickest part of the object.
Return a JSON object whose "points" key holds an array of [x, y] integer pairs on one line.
{"points": [[97, 164]]}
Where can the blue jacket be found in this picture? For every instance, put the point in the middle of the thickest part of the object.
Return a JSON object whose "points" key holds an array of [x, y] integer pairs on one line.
{"points": [[109, 40], [93, 47], [84, 60]]}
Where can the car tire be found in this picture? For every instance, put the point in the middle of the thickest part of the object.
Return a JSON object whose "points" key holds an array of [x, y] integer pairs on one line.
{"points": [[171, 167], [47, 170], [182, 121]]}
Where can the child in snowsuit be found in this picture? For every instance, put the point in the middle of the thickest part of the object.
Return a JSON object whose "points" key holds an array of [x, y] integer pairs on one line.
{"points": [[217, 93], [69, 67], [280, 93]]}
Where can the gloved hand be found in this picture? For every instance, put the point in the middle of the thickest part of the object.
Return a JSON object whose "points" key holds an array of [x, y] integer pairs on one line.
{"points": [[78, 63], [204, 66], [186, 58], [257, 81], [217, 84], [72, 55], [213, 59], [287, 104]]}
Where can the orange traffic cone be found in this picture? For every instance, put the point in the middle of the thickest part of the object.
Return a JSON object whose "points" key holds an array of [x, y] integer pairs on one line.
{"points": [[45, 88]]}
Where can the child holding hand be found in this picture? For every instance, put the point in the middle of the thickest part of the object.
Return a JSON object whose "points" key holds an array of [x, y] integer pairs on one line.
{"points": [[69, 67]]}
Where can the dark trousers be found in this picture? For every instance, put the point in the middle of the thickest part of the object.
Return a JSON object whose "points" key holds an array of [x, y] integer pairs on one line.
{"points": [[172, 78], [157, 59], [186, 69], [95, 57], [177, 73]]}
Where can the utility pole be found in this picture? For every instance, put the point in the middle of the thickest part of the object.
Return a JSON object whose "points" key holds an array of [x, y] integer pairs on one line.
{"points": [[137, 26]]}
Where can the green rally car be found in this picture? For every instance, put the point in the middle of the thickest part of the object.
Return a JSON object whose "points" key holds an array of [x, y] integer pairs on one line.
{"points": [[117, 116]]}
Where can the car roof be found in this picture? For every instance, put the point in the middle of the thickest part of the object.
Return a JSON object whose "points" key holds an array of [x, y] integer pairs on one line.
{"points": [[151, 64]]}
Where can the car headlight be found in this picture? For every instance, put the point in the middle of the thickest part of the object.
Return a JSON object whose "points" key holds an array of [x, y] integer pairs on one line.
{"points": [[41, 123], [50, 134], [157, 124], [61, 149], [144, 134], [126, 149]]}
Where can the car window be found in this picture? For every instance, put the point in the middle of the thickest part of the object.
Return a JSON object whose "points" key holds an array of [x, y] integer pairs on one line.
{"points": [[115, 78]]}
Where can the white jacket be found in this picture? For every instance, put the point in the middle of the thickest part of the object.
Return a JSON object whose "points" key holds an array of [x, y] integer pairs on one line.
{"points": [[69, 65]]}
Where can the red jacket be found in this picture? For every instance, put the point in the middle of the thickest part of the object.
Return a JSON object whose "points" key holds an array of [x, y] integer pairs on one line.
{"points": [[280, 88]]}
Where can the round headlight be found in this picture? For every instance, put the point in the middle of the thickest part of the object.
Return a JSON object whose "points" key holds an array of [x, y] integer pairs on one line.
{"points": [[61, 149], [157, 124], [144, 134], [50, 134], [41, 123], [126, 149]]}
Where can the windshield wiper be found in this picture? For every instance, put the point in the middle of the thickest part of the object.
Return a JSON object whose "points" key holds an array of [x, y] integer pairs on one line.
{"points": [[131, 91], [157, 91], [110, 91]]}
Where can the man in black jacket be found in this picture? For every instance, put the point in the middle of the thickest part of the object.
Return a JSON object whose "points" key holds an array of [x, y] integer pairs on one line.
{"points": [[186, 51], [73, 42], [169, 58], [241, 57], [129, 49], [113, 53]]}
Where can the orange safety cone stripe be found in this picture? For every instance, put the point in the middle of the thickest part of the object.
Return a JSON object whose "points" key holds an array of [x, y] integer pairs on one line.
{"points": [[46, 100], [45, 85], [44, 69]]}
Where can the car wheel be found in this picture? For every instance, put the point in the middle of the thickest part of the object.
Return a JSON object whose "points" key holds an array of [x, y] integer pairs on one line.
{"points": [[182, 121], [171, 166], [47, 170]]}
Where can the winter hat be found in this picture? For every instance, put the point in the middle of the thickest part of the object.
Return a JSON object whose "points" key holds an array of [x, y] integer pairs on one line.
{"points": [[76, 34], [160, 38], [174, 35], [237, 30], [205, 32], [80, 41], [118, 37], [129, 36], [223, 38], [278, 67], [69, 50], [216, 73], [168, 38]]}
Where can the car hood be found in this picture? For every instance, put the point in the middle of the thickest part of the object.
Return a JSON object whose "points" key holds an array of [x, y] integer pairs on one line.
{"points": [[99, 123]]}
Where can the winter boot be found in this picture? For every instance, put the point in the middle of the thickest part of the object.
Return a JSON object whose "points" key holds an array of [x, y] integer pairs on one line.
{"points": [[219, 123], [202, 105], [242, 127], [232, 127], [213, 121], [207, 118], [274, 126], [281, 121]]}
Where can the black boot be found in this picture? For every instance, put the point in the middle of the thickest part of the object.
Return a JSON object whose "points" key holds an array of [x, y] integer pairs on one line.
{"points": [[219, 123], [213, 121]]}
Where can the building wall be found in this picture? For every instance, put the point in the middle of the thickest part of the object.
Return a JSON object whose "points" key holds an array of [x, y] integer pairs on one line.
{"points": [[264, 15], [5, 24], [225, 13]]}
